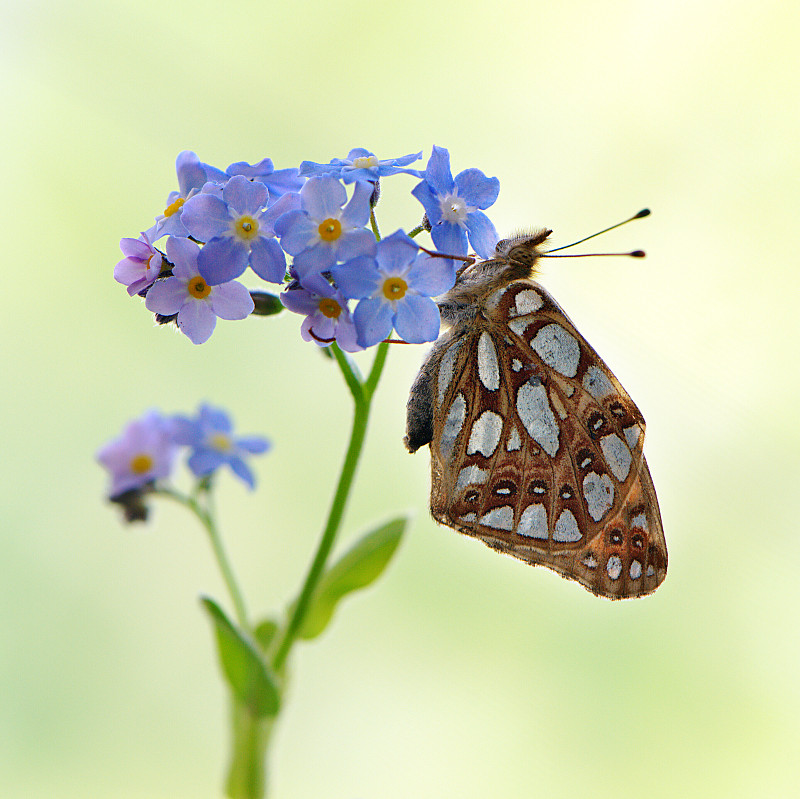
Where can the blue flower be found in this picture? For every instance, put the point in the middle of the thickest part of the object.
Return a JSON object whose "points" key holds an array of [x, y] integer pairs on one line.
{"points": [[238, 230], [213, 445], [325, 230], [394, 290], [278, 182], [360, 165], [145, 452], [328, 318], [188, 294], [452, 206], [193, 174]]}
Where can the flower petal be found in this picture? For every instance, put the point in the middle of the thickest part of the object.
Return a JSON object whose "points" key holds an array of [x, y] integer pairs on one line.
{"points": [[356, 212], [449, 238], [323, 197], [197, 321], [396, 252], [205, 216], [267, 260], [241, 469], [222, 260], [353, 243], [437, 173], [166, 296], [204, 461], [231, 301], [417, 319], [255, 445], [297, 231], [373, 320], [358, 278], [482, 234], [432, 276], [191, 174], [430, 202], [476, 189], [215, 419], [243, 195]]}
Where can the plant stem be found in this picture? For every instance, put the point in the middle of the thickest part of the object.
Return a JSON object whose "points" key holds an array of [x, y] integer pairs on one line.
{"points": [[247, 777], [362, 398], [206, 518]]}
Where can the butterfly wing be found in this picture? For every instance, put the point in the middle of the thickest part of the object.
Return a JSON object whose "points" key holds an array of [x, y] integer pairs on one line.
{"points": [[536, 448]]}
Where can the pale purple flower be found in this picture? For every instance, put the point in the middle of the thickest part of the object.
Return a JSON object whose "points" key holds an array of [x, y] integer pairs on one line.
{"points": [[193, 174], [141, 265], [145, 452], [328, 318], [188, 295]]}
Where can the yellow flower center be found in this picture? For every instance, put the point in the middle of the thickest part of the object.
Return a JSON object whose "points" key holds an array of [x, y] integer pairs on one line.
{"points": [[394, 288], [246, 227], [221, 442], [330, 308], [198, 288], [141, 463], [330, 229], [365, 161], [175, 207]]}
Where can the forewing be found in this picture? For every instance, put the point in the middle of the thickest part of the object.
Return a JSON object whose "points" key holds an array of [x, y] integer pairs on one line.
{"points": [[537, 449]]}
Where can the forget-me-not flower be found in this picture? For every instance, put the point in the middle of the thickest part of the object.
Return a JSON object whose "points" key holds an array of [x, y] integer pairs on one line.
{"points": [[210, 435], [361, 165], [395, 290], [455, 207], [192, 298], [238, 230]]}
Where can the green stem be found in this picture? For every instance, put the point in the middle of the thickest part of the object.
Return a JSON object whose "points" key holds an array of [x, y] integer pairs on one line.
{"points": [[206, 518], [362, 396], [374, 224], [247, 773]]}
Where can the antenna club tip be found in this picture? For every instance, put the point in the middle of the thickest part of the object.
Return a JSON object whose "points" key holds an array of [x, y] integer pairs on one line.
{"points": [[637, 254], [643, 212]]}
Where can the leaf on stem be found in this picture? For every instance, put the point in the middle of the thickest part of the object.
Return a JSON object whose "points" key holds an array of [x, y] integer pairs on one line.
{"points": [[361, 565], [249, 677]]}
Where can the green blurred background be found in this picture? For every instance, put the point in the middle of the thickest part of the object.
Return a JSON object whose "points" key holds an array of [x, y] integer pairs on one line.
{"points": [[462, 673]]}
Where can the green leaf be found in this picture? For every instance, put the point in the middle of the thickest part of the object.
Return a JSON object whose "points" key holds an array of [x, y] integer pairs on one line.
{"points": [[250, 678], [361, 565]]}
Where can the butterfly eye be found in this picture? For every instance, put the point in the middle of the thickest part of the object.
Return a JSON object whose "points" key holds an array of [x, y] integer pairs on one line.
{"points": [[617, 409], [637, 541], [585, 459], [615, 538], [566, 492], [538, 487], [471, 496]]}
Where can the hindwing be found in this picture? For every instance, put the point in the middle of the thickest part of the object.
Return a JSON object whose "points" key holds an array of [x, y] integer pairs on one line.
{"points": [[536, 448]]}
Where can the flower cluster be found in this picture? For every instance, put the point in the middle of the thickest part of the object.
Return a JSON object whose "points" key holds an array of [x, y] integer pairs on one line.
{"points": [[146, 451], [220, 224]]}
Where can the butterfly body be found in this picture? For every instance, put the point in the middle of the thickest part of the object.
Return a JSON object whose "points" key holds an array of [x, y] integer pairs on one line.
{"points": [[536, 448]]}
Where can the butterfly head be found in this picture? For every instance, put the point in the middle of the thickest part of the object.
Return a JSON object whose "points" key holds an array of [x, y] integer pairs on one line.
{"points": [[522, 249]]}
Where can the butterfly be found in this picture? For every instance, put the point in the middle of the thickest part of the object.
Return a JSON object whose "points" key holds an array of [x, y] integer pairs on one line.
{"points": [[536, 448]]}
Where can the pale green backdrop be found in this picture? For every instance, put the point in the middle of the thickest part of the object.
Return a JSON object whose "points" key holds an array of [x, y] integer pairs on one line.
{"points": [[462, 673]]}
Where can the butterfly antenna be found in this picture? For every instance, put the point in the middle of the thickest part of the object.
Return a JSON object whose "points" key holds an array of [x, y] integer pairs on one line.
{"points": [[634, 254]]}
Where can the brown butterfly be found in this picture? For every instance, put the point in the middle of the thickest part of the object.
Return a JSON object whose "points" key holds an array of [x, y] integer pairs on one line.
{"points": [[536, 448]]}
